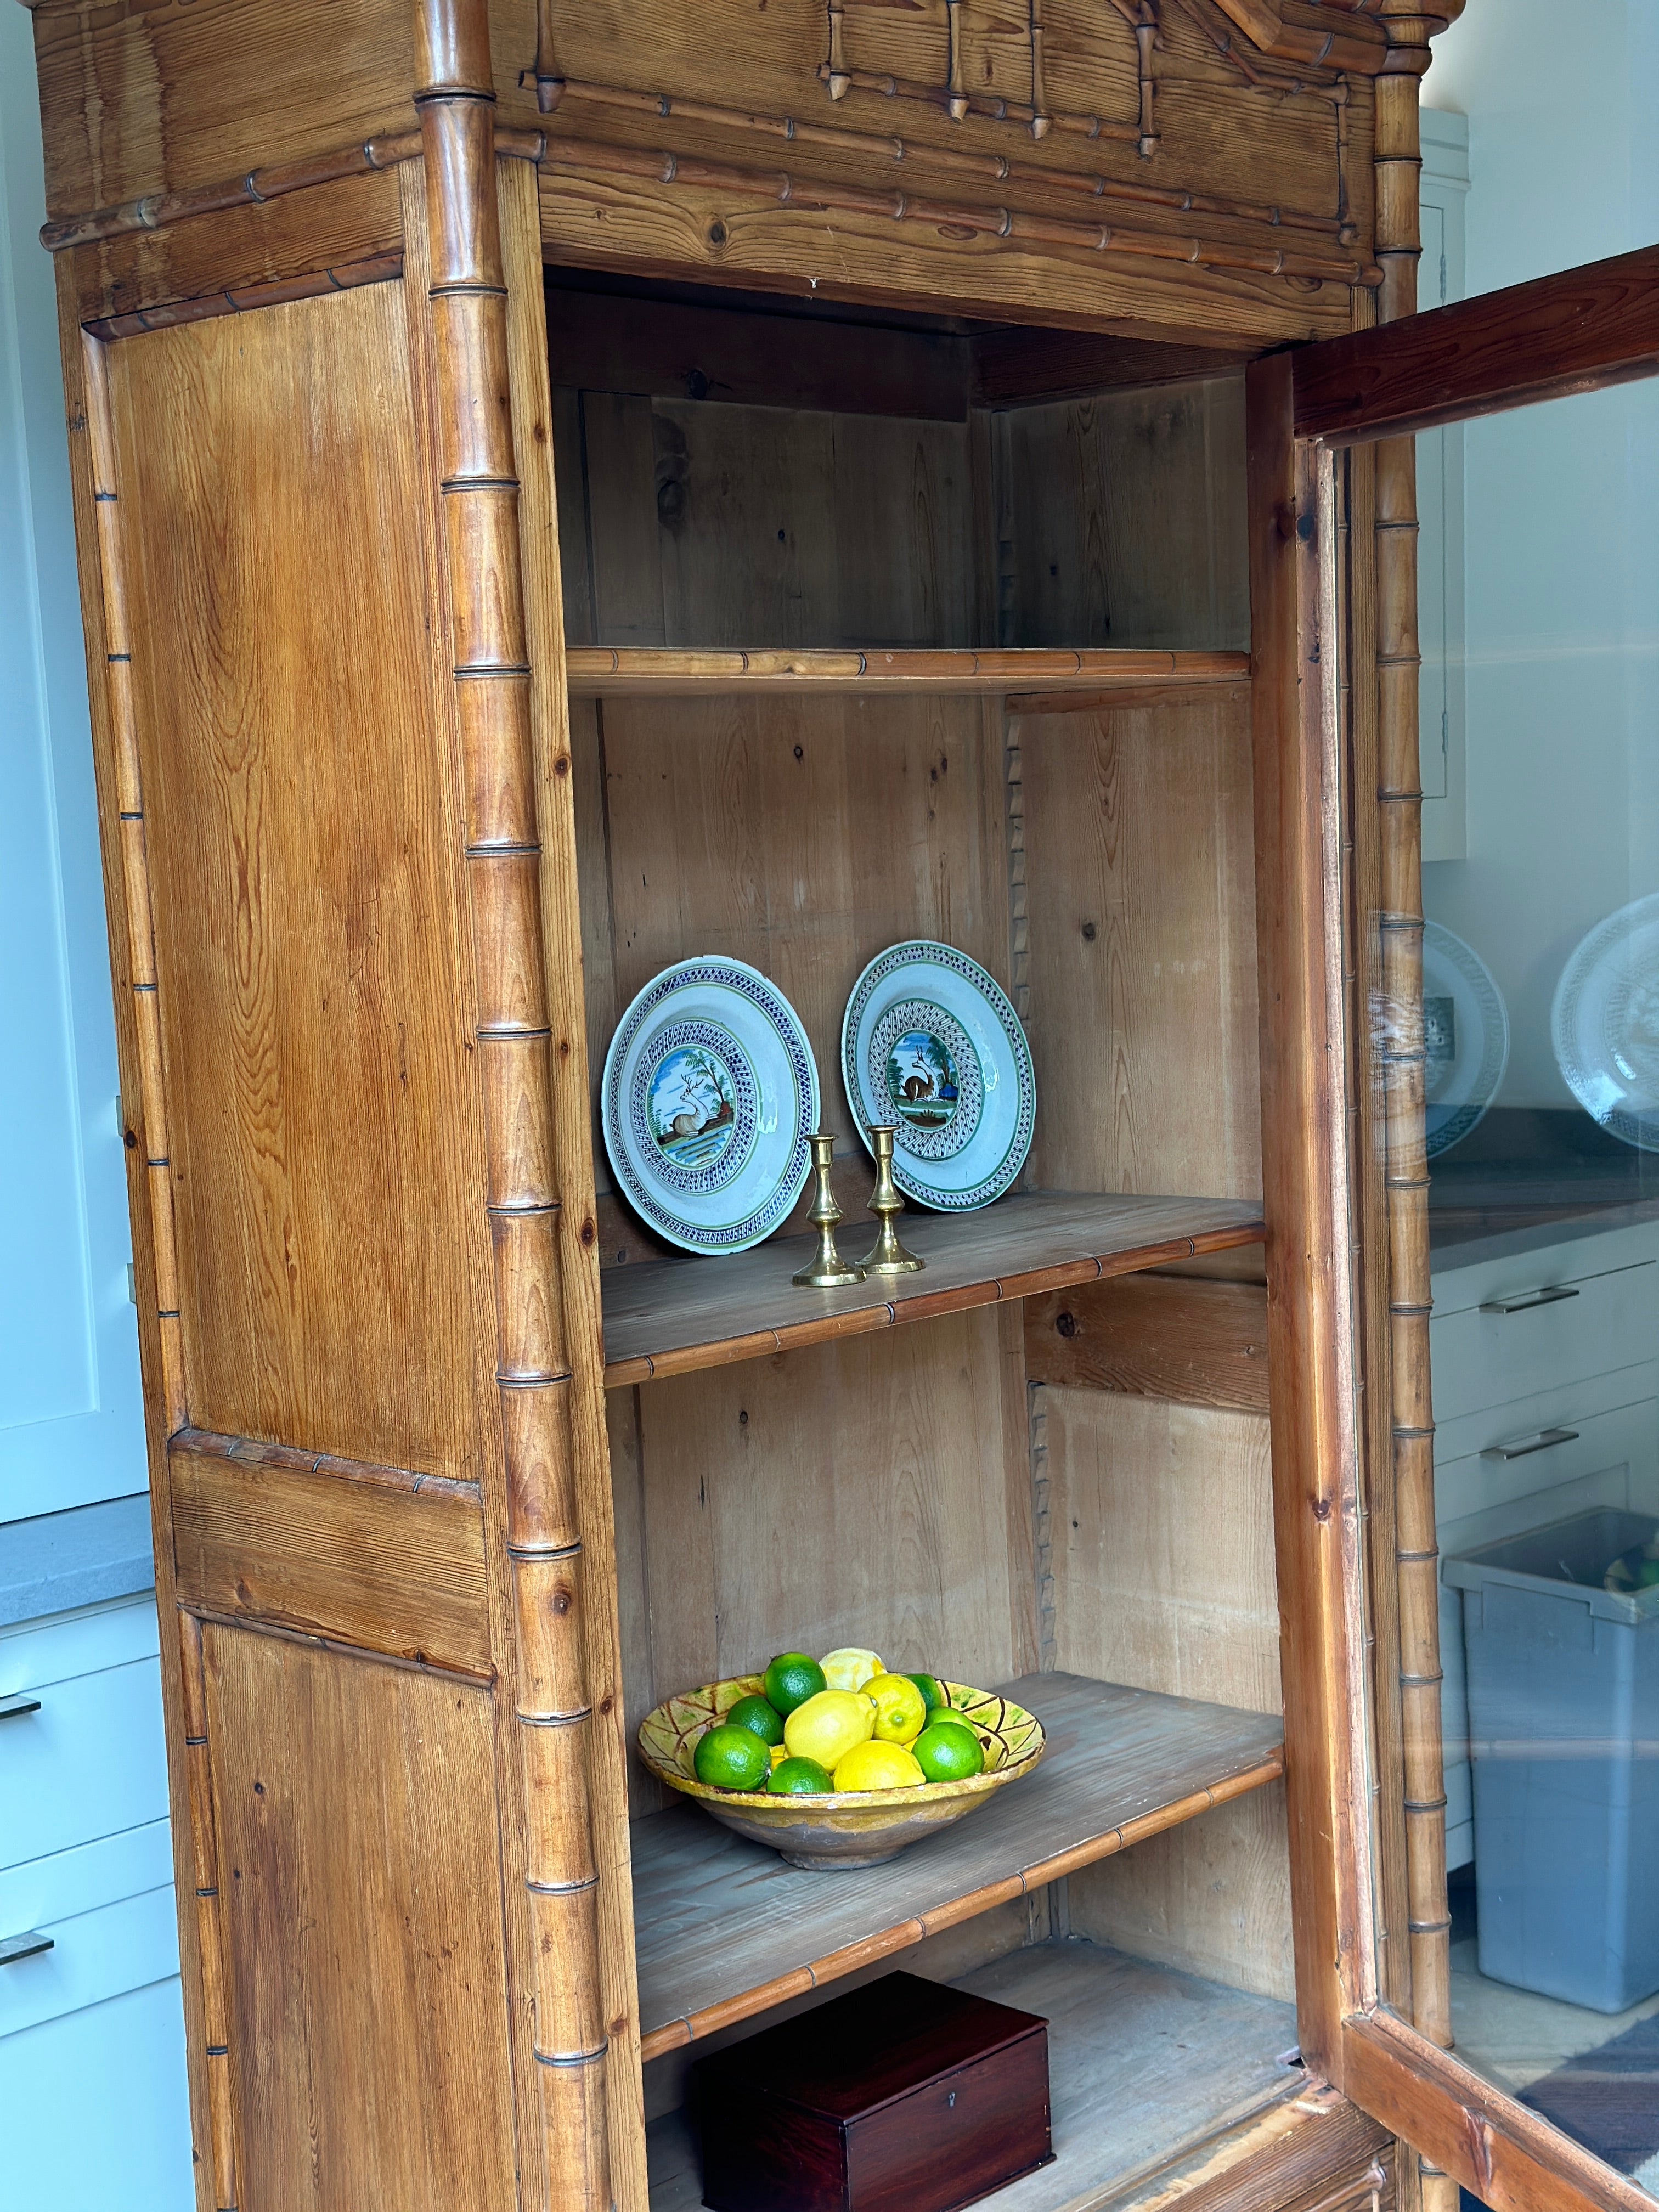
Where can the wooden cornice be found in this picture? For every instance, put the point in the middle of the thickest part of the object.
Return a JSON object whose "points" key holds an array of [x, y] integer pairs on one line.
{"points": [[1358, 36]]}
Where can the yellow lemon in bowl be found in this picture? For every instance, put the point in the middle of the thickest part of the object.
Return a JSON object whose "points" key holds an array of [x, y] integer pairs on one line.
{"points": [[900, 1708], [878, 1766], [850, 1669], [827, 1726]]}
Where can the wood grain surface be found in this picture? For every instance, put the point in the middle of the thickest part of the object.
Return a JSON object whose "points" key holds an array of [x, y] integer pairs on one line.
{"points": [[1156, 1336], [1577, 332], [724, 1927], [1139, 892], [624, 672], [355, 1803], [1144, 2064], [366, 1555], [668, 1317], [323, 1149]]}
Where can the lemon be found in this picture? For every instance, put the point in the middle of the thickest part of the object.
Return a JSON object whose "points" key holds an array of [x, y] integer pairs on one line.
{"points": [[800, 1778], [948, 1751], [878, 1766], [731, 1759], [760, 1718], [900, 1708], [791, 1678], [778, 1754], [850, 1669], [828, 1726]]}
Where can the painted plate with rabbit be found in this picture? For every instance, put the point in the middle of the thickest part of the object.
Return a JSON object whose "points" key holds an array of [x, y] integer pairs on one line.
{"points": [[709, 1091], [930, 1043]]}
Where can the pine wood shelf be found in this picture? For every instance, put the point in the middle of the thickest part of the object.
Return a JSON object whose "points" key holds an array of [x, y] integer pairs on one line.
{"points": [[671, 1316], [723, 1929], [1144, 2064], [642, 671]]}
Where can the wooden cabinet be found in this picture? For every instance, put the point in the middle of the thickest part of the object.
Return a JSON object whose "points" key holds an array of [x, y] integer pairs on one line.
{"points": [[559, 492]]}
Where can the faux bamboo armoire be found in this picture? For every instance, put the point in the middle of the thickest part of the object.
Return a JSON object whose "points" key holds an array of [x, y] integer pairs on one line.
{"points": [[561, 489]]}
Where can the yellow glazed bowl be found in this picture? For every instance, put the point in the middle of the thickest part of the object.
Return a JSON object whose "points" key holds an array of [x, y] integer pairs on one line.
{"points": [[846, 1828]]}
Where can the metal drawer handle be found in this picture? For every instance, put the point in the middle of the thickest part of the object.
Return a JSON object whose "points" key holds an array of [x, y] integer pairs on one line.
{"points": [[28, 1946], [1530, 1301], [1522, 1447], [13, 1709]]}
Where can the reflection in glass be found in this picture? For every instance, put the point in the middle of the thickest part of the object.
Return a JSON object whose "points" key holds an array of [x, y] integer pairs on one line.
{"points": [[1541, 1034]]}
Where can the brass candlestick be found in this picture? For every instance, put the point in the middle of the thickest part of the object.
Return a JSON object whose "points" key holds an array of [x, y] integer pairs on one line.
{"points": [[827, 1270], [887, 1257]]}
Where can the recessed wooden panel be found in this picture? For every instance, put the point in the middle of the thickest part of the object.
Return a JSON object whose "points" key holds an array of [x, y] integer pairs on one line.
{"points": [[875, 1491], [373, 1556], [1141, 894], [1157, 1336], [361, 1896], [1161, 1553], [134, 98], [300, 827]]}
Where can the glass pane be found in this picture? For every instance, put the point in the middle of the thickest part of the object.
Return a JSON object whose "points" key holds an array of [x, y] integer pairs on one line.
{"points": [[1542, 1035]]}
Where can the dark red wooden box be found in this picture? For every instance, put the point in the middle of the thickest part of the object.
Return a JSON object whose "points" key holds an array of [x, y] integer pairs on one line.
{"points": [[904, 2096]]}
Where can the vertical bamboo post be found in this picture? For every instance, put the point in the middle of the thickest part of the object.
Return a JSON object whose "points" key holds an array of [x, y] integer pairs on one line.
{"points": [[549, 77], [204, 1869], [135, 881], [1399, 1046], [467, 303], [955, 99], [1041, 121]]}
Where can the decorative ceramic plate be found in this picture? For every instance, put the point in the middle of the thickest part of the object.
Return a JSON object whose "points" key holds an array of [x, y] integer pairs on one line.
{"points": [[845, 1827], [1466, 1037], [1604, 1023], [930, 1043], [709, 1091]]}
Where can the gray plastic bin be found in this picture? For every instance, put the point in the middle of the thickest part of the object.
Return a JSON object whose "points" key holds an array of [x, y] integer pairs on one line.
{"points": [[1563, 1729]]}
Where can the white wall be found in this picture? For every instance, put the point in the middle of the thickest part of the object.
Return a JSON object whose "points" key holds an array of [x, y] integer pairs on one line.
{"points": [[70, 1424], [1562, 547]]}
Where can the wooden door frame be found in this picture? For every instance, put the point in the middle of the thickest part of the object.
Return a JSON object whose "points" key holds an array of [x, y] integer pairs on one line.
{"points": [[1579, 331]]}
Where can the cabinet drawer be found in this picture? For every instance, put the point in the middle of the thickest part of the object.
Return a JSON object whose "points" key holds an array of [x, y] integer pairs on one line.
{"points": [[91, 1761], [1559, 1329], [1608, 1458], [108, 1907]]}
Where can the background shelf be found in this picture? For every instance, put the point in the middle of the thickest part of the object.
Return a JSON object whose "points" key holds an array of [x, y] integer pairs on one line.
{"points": [[725, 1928], [669, 1316], [1143, 2063], [642, 671]]}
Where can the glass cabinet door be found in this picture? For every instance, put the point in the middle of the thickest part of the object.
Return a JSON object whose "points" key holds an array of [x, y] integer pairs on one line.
{"points": [[1498, 1195]]}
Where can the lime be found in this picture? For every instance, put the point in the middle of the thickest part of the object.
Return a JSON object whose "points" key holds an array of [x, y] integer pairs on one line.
{"points": [[760, 1718], [800, 1778], [791, 1678], [932, 1690], [900, 1708], [850, 1667], [828, 1725], [878, 1766], [728, 1758], [948, 1751]]}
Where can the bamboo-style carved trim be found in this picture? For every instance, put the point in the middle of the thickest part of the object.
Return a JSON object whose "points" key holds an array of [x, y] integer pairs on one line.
{"points": [[157, 210], [958, 161], [477, 468], [780, 187], [1041, 121], [204, 1874], [958, 103], [377, 270], [135, 884], [955, 94], [547, 76], [1306, 62], [1401, 1071]]}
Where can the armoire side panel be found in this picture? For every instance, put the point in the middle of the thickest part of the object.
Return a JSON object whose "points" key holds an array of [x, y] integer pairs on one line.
{"points": [[299, 827], [360, 1879]]}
